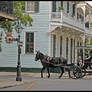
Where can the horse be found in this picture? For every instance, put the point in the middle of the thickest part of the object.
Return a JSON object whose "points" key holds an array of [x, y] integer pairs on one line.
{"points": [[52, 63]]}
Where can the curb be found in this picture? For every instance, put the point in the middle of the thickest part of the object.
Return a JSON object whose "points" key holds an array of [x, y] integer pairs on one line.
{"points": [[10, 84]]}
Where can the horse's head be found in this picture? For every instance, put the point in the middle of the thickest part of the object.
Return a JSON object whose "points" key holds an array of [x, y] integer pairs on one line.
{"points": [[37, 57]]}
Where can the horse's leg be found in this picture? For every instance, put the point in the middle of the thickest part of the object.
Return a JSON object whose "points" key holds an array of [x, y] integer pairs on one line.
{"points": [[69, 73], [42, 72], [48, 72], [62, 71]]}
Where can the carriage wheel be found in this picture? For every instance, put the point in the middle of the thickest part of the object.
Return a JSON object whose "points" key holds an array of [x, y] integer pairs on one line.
{"points": [[75, 72], [83, 72]]}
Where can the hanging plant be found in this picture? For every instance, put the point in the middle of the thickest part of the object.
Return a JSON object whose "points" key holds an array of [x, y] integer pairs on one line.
{"points": [[6, 25]]}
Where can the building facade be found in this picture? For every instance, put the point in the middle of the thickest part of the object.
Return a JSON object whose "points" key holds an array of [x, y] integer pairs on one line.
{"points": [[54, 32]]}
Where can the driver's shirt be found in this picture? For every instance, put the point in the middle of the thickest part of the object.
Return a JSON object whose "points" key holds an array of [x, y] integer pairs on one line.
{"points": [[89, 57]]}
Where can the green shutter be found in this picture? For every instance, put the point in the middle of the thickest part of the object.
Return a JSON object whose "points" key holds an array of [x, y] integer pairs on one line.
{"points": [[53, 6], [61, 3]]}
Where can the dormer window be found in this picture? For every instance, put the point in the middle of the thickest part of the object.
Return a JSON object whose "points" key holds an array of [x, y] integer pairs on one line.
{"points": [[32, 6]]}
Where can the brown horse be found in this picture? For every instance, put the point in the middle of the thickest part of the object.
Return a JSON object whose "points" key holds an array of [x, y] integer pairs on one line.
{"points": [[52, 63]]}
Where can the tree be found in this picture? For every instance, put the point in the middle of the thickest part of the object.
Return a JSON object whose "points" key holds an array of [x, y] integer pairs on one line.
{"points": [[25, 18]]}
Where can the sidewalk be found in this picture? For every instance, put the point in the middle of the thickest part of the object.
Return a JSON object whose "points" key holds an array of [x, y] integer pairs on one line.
{"points": [[8, 79], [6, 82]]}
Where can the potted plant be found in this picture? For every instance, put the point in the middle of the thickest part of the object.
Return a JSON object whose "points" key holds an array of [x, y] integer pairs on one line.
{"points": [[73, 15], [60, 8]]}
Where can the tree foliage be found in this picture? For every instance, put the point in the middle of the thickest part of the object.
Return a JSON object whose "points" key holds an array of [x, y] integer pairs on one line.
{"points": [[18, 7]]}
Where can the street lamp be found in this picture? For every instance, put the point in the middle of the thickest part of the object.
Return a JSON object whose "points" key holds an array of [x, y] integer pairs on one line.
{"points": [[10, 39], [19, 30]]}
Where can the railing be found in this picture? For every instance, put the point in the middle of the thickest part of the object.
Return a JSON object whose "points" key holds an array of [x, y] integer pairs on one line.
{"points": [[6, 7], [67, 19], [88, 31], [56, 15]]}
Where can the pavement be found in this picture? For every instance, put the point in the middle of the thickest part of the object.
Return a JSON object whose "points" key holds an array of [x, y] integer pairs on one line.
{"points": [[7, 81]]}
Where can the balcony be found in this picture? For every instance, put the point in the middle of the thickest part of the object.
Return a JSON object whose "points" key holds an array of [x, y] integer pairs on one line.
{"points": [[6, 9], [65, 18]]}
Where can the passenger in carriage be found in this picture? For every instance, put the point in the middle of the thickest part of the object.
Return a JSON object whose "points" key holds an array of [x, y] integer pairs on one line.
{"points": [[80, 61]]}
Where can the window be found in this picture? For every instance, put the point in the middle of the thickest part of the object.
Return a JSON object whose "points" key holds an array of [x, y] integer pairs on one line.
{"points": [[54, 45], [60, 45], [67, 6], [32, 6], [29, 44], [67, 48]]}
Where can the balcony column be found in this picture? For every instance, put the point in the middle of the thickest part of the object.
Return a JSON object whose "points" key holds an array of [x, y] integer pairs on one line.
{"points": [[88, 41], [89, 18], [83, 38], [76, 11], [84, 10]]}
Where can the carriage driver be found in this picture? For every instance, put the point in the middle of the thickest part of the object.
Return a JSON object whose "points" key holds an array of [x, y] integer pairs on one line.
{"points": [[87, 60]]}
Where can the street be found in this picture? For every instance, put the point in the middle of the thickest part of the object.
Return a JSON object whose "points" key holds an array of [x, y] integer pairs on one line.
{"points": [[36, 83]]}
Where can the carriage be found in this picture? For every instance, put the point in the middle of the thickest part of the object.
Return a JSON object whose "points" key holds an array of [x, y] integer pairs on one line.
{"points": [[74, 71]]}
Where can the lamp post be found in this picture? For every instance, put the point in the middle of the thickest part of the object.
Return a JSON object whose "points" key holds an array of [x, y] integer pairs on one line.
{"points": [[18, 30], [10, 39]]}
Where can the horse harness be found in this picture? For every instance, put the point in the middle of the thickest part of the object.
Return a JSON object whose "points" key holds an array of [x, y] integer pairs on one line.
{"points": [[49, 58]]}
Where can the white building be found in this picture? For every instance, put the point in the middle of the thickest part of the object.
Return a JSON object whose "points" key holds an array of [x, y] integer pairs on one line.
{"points": [[53, 32]]}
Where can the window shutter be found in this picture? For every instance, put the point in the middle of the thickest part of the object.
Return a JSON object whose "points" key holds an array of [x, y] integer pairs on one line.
{"points": [[67, 6], [53, 6], [36, 6], [61, 3], [73, 8]]}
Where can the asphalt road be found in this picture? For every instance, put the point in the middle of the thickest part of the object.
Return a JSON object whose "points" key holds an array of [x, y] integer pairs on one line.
{"points": [[52, 84]]}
